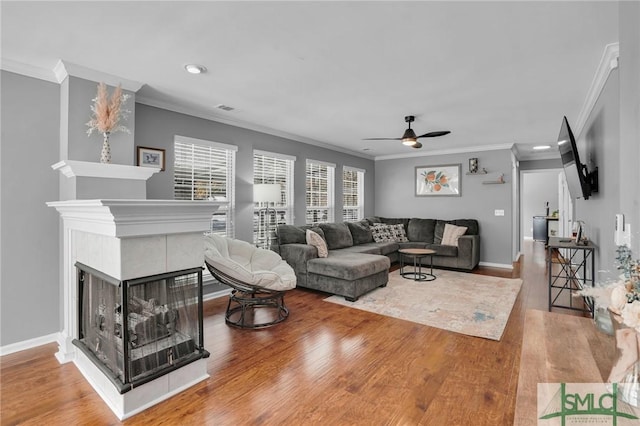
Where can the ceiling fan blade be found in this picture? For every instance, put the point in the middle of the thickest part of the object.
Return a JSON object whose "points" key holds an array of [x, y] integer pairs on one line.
{"points": [[382, 139], [434, 134], [416, 145]]}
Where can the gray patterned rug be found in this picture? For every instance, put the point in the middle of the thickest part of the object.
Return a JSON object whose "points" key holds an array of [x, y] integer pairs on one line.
{"points": [[475, 305]]}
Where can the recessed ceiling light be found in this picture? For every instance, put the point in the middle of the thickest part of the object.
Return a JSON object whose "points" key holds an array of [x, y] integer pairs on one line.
{"points": [[195, 68], [541, 147]]}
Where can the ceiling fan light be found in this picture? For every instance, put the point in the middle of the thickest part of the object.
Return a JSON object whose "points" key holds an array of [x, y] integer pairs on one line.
{"points": [[409, 141]]}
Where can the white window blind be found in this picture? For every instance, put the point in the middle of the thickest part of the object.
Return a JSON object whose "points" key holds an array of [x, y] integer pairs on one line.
{"points": [[352, 194], [273, 168], [205, 170], [320, 192]]}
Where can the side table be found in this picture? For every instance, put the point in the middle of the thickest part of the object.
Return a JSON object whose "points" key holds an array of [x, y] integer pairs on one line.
{"points": [[417, 254], [577, 271]]}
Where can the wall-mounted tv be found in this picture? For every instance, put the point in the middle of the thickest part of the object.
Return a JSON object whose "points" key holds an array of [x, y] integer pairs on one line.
{"points": [[580, 181]]}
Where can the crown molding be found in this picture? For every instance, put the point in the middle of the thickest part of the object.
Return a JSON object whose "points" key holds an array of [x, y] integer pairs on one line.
{"points": [[63, 69], [608, 63], [28, 70], [461, 150], [208, 115]]}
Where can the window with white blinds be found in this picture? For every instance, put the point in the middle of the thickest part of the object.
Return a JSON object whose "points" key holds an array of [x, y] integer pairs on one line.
{"points": [[320, 192], [205, 170], [352, 194], [274, 168]]}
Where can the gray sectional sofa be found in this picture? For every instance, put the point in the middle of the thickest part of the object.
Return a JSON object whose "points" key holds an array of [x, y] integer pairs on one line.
{"points": [[356, 264]]}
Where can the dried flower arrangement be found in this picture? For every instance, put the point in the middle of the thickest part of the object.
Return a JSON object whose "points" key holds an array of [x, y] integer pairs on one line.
{"points": [[107, 113], [622, 297]]}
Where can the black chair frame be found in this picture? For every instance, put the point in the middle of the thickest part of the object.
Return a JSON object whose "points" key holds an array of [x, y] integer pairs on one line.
{"points": [[244, 298]]}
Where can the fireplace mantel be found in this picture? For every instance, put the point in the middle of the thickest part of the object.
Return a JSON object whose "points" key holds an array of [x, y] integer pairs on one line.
{"points": [[129, 218], [74, 168]]}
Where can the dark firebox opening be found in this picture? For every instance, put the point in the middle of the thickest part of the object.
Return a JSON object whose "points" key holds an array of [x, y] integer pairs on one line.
{"points": [[138, 330]]}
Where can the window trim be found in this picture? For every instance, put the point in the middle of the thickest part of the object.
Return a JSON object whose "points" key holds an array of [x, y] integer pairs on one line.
{"points": [[331, 189], [360, 191]]}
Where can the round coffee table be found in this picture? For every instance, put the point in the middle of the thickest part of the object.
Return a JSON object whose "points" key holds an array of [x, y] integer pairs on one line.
{"points": [[417, 254]]}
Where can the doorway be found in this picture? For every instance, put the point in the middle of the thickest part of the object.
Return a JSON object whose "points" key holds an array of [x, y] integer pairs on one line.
{"points": [[540, 195]]}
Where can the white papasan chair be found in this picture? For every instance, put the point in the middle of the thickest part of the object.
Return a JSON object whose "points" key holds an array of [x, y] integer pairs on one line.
{"points": [[259, 278]]}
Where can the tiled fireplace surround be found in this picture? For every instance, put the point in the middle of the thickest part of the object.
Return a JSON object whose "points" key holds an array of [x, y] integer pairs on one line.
{"points": [[126, 239]]}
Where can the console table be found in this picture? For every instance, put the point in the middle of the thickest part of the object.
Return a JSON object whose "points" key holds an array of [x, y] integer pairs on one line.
{"points": [[558, 348], [577, 270]]}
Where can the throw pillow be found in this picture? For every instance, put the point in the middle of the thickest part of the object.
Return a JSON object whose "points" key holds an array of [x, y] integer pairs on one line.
{"points": [[314, 239], [397, 233], [451, 234], [381, 233]]}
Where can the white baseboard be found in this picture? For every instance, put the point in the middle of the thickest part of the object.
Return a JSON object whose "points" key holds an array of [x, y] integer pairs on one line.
{"points": [[216, 294], [496, 265], [28, 344]]}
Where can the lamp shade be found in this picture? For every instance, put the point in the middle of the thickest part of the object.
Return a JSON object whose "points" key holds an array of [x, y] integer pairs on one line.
{"points": [[266, 193]]}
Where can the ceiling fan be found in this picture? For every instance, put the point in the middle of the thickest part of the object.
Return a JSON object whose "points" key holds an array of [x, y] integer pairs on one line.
{"points": [[409, 137]]}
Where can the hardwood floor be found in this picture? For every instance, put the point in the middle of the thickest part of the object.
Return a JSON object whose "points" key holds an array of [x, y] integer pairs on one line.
{"points": [[327, 364]]}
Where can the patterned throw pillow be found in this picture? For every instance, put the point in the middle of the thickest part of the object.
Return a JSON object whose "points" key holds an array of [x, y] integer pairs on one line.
{"points": [[397, 233], [381, 233], [451, 234], [314, 239]]}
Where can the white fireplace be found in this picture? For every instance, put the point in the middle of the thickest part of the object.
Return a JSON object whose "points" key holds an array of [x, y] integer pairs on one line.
{"points": [[127, 239]]}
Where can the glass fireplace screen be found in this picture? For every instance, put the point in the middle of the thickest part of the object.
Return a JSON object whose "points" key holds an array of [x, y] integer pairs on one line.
{"points": [[137, 330]]}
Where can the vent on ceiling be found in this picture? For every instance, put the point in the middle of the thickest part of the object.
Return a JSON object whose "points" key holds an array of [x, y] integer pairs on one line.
{"points": [[225, 107]]}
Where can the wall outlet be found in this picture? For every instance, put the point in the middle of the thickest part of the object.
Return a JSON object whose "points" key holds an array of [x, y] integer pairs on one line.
{"points": [[499, 213]]}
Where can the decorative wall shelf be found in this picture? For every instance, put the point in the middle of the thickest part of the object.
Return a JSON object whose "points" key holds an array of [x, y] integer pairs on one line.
{"points": [[483, 172], [498, 181]]}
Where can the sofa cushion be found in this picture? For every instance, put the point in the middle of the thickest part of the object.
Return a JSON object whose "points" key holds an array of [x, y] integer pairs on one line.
{"points": [[381, 233], [395, 221], [412, 244], [360, 232], [421, 230], [387, 247], [337, 235], [452, 233], [373, 219], [439, 230], [348, 266], [441, 250], [369, 248], [470, 224], [290, 234], [318, 242]]}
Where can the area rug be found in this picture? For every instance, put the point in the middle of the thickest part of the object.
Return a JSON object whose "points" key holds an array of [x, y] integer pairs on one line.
{"points": [[471, 304]]}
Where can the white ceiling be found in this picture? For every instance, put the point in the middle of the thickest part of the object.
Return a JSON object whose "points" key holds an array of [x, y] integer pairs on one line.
{"points": [[493, 73]]}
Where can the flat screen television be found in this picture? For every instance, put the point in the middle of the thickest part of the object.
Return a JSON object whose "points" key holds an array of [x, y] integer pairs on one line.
{"points": [[581, 183]]}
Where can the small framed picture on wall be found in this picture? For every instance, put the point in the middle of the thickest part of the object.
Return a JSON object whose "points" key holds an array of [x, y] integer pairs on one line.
{"points": [[151, 157]]}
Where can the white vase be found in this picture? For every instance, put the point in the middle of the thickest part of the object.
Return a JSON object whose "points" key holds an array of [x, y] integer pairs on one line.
{"points": [[105, 154]]}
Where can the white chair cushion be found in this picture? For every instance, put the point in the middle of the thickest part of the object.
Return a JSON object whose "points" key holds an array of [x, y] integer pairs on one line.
{"points": [[249, 264]]}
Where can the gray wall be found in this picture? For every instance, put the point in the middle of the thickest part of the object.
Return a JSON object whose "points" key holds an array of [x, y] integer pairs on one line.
{"points": [[157, 127], [629, 170], [29, 280], [395, 197], [599, 145]]}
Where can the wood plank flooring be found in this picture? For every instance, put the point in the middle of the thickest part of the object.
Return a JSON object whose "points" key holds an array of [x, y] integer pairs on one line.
{"points": [[327, 364]]}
